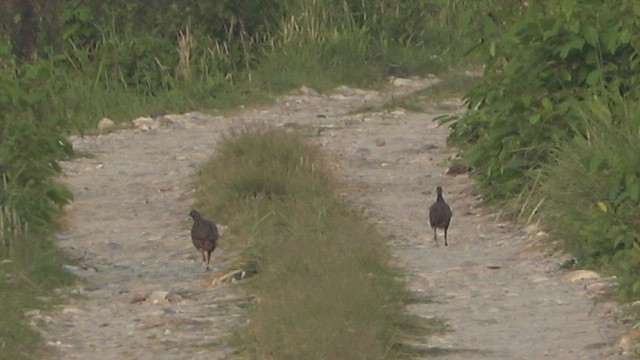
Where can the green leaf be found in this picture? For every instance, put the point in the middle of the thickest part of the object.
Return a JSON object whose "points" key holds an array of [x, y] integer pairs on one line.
{"points": [[593, 77], [535, 118], [546, 104], [602, 206], [575, 43], [590, 35]]}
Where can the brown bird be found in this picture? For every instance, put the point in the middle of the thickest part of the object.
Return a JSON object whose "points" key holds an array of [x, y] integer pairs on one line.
{"points": [[204, 234], [440, 216]]}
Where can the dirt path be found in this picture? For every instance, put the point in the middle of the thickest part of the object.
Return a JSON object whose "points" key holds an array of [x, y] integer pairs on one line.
{"points": [[144, 295]]}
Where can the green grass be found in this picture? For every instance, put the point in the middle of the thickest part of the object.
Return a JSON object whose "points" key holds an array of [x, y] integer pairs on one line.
{"points": [[324, 288], [29, 271], [589, 196]]}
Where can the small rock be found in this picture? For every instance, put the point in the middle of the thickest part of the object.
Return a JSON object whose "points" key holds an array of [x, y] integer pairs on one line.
{"points": [[600, 288], [578, 275], [137, 298], [67, 208], [79, 271], [457, 169], [630, 338], [400, 82], [174, 298], [157, 296], [380, 142], [176, 121], [105, 124], [308, 91], [146, 123]]}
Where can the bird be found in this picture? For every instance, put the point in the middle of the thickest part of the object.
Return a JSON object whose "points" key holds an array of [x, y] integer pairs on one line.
{"points": [[204, 234], [439, 216]]}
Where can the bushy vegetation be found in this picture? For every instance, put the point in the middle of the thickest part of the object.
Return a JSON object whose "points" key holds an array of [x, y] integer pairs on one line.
{"points": [[65, 64], [31, 142], [324, 288], [551, 129]]}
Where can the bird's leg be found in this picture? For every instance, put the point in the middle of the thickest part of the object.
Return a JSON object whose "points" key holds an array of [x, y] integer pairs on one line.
{"points": [[445, 237], [204, 259], [435, 236], [208, 258]]}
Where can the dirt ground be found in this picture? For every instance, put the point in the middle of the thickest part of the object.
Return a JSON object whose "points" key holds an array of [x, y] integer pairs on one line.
{"points": [[144, 295]]}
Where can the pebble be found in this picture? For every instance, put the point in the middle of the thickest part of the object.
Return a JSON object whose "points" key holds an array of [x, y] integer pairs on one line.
{"points": [[157, 296], [174, 298], [105, 124], [578, 275], [629, 338], [146, 123]]}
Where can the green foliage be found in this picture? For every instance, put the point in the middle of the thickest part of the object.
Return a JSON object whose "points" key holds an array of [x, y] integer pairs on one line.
{"points": [[537, 73], [32, 141], [553, 127], [324, 286], [122, 59], [592, 192]]}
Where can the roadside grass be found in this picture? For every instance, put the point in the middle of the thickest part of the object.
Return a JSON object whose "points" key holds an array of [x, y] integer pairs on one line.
{"points": [[452, 84], [589, 195], [324, 288], [29, 272]]}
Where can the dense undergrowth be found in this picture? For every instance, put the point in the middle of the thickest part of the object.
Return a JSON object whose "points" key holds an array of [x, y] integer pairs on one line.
{"points": [[323, 289], [65, 64], [552, 130]]}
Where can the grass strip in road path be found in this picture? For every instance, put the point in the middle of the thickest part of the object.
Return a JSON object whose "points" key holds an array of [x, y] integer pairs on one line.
{"points": [[324, 288]]}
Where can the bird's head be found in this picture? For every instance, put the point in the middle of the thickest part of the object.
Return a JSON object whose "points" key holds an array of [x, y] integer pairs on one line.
{"points": [[195, 214], [439, 190]]}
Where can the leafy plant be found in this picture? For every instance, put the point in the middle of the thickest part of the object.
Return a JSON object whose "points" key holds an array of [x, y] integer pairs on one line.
{"points": [[555, 57]]}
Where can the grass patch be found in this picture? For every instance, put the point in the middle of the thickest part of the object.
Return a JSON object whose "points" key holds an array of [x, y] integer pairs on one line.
{"points": [[29, 271], [324, 286], [453, 84], [589, 196]]}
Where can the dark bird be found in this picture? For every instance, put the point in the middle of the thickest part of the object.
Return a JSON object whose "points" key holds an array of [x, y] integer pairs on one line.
{"points": [[204, 234], [440, 216]]}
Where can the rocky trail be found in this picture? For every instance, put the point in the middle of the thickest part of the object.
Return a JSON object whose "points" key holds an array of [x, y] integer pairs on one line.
{"points": [[143, 293]]}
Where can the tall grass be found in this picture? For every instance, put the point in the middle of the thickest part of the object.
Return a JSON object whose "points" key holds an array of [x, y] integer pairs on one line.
{"points": [[324, 288], [589, 197], [319, 43]]}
